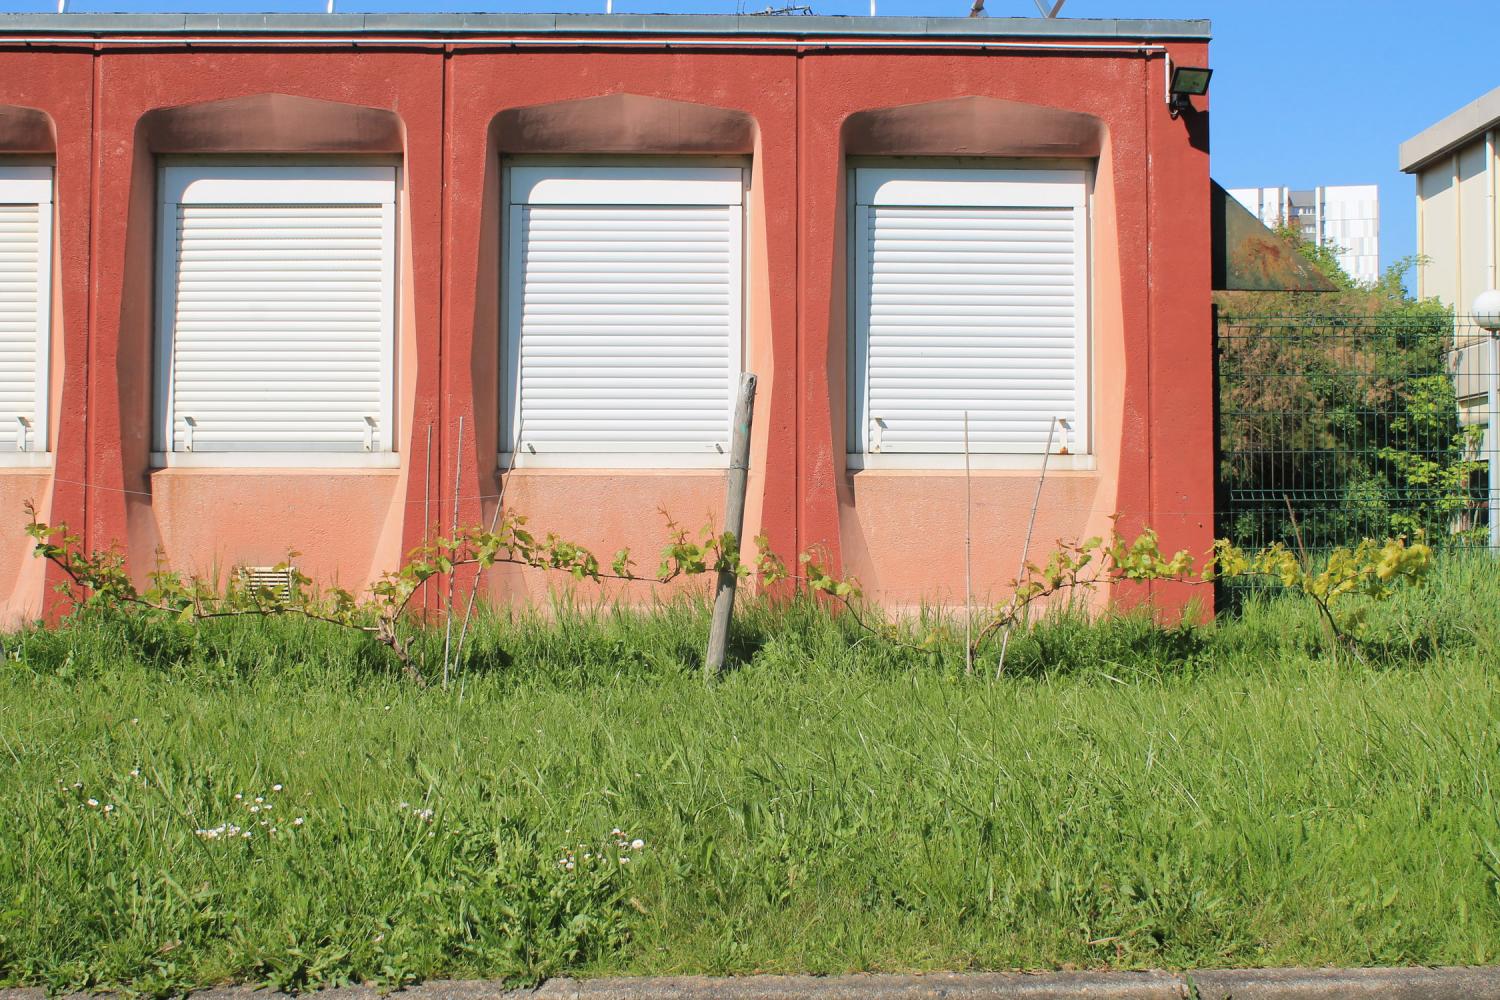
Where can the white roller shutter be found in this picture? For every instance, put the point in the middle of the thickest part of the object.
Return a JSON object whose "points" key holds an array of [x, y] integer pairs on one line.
{"points": [[277, 305], [624, 328], [971, 295], [25, 306]]}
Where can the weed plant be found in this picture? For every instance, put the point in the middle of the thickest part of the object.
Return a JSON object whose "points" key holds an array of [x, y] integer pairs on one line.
{"points": [[1128, 795]]}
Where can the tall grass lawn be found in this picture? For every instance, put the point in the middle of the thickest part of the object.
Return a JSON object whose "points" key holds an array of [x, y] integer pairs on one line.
{"points": [[272, 802]]}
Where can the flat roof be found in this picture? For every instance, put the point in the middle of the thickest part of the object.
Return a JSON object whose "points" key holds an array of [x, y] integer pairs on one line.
{"points": [[1456, 130], [457, 25]]}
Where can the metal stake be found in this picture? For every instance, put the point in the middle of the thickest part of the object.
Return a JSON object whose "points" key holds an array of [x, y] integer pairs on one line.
{"points": [[458, 469], [1492, 426], [427, 515], [968, 556], [1026, 546], [734, 524]]}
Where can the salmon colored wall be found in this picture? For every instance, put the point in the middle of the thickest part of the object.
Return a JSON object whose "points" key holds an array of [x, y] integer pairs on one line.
{"points": [[58, 86], [22, 577], [339, 519], [458, 110], [208, 521], [902, 532], [608, 510]]}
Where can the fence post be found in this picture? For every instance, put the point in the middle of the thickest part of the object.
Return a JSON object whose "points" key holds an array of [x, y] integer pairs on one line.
{"points": [[734, 523], [1221, 488], [1492, 427]]}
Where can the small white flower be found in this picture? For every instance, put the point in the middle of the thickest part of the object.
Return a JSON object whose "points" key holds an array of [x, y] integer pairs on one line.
{"points": [[93, 803], [255, 809], [259, 799], [109, 809], [238, 796], [297, 821], [275, 788], [637, 844], [624, 861], [570, 866]]}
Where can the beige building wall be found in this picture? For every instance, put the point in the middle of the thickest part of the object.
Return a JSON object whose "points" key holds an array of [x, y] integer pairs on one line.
{"points": [[1457, 168], [1437, 227], [1476, 221], [1458, 211]]}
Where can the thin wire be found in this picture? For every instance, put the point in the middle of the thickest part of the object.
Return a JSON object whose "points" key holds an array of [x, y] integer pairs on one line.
{"points": [[1026, 547], [458, 469], [478, 578], [968, 556], [981, 504]]}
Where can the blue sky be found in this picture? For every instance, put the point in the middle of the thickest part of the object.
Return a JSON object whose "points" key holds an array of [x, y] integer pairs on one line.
{"points": [[1305, 92]]}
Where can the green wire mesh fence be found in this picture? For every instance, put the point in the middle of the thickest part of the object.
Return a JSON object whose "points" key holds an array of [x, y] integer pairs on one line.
{"points": [[1337, 429]]}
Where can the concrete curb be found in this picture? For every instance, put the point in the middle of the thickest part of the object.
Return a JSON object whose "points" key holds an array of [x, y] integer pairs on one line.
{"points": [[1349, 984], [1481, 983]]}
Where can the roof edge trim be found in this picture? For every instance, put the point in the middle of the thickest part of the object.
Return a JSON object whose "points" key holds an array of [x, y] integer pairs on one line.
{"points": [[457, 25], [1473, 119]]}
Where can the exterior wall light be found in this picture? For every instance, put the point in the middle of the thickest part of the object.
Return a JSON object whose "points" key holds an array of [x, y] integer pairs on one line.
{"points": [[1487, 311], [1186, 82]]}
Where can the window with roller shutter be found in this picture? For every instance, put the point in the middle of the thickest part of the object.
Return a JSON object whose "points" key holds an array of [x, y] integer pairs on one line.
{"points": [[276, 312], [623, 300], [970, 297], [25, 308]]}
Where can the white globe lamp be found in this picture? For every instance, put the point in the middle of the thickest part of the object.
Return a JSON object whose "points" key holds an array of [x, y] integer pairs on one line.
{"points": [[1487, 310]]}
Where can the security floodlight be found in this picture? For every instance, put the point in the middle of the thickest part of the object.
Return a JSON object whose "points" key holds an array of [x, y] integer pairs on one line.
{"points": [[1487, 310], [1187, 82]]}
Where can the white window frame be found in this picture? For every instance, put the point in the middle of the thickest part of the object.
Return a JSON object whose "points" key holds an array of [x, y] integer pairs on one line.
{"points": [[33, 185], [281, 183], [1067, 184], [574, 181]]}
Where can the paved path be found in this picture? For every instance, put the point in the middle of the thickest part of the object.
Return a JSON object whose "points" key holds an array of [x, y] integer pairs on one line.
{"points": [[1253, 984]]}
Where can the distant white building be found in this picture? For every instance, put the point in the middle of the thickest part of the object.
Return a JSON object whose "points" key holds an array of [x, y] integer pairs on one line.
{"points": [[1346, 217]]}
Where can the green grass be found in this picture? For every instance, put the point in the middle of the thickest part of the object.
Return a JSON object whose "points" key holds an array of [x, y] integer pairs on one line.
{"points": [[1127, 797]]}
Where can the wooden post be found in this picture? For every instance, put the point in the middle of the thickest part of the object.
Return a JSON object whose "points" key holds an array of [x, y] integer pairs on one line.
{"points": [[734, 523]]}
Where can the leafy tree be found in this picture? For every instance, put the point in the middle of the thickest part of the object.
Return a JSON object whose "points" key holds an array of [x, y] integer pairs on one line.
{"points": [[1339, 418]]}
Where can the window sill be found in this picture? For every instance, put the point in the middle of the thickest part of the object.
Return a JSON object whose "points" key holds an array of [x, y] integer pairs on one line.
{"points": [[977, 463], [275, 460], [26, 460], [597, 461]]}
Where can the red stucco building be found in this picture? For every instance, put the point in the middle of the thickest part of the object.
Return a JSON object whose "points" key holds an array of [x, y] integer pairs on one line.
{"points": [[251, 266]]}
